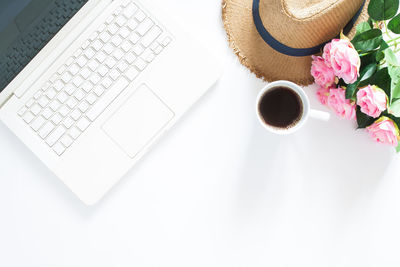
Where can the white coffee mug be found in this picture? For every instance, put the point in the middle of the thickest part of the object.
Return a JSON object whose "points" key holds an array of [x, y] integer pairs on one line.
{"points": [[307, 111]]}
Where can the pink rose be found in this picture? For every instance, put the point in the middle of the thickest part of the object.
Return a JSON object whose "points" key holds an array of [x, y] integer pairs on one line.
{"points": [[323, 94], [384, 131], [344, 59], [327, 54], [323, 75], [342, 106], [372, 100]]}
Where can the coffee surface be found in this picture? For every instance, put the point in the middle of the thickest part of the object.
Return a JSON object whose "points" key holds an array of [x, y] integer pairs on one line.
{"points": [[281, 107]]}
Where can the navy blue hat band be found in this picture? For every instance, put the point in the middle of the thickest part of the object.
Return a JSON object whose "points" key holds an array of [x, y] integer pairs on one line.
{"points": [[287, 50]]}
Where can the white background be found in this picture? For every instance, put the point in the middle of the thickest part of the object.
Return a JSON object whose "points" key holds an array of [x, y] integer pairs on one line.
{"points": [[216, 191]]}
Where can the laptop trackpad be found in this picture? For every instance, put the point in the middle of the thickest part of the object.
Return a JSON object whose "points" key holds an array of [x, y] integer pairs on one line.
{"points": [[138, 121]]}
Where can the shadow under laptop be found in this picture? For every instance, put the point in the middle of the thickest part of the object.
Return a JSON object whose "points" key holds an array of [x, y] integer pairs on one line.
{"points": [[325, 167]]}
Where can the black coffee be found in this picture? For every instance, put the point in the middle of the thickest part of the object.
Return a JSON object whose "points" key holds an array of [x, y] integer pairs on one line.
{"points": [[281, 107]]}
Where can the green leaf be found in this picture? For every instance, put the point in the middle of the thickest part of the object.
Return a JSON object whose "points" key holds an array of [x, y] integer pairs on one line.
{"points": [[394, 108], [362, 27], [394, 72], [365, 74], [382, 80], [394, 24], [398, 148], [368, 41], [363, 120], [383, 9], [391, 58], [395, 91], [380, 54]]}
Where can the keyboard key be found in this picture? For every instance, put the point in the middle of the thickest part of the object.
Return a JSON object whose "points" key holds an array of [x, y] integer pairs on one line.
{"points": [[64, 110], [61, 69], [79, 94], [166, 41], [148, 55], [28, 117], [120, 20], [87, 86], [132, 24], [83, 106], [74, 132], [108, 48], [37, 123], [89, 53], [116, 40], [105, 37], [113, 28], [55, 135], [69, 89], [130, 58], [37, 95], [36, 108], [124, 32], [58, 85], [132, 73], [94, 78], [102, 70], [138, 49], [91, 98], [77, 53], [130, 10], [114, 74], [126, 46], [30, 102], [82, 60], [140, 16], [122, 66], [106, 82], [118, 54], [140, 64], [72, 102], [76, 114], [99, 90], [22, 110], [93, 64], [47, 113], [110, 62], [43, 101], [151, 36], [62, 97], [93, 36], [53, 78], [102, 27], [77, 81], [83, 124], [107, 98], [51, 93], [74, 69], [145, 26], [109, 19], [85, 44], [97, 45], [68, 122], [66, 140], [46, 129], [56, 119], [59, 149], [100, 56]]}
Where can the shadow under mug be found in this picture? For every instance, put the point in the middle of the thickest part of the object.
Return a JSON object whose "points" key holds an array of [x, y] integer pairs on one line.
{"points": [[307, 111]]}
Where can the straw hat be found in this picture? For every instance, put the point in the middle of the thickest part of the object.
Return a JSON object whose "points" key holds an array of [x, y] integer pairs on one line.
{"points": [[275, 38]]}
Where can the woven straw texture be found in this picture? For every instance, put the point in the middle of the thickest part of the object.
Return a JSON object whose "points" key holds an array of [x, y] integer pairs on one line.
{"points": [[295, 23]]}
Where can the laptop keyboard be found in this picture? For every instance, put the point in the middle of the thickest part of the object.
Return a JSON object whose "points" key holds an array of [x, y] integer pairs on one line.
{"points": [[85, 85]]}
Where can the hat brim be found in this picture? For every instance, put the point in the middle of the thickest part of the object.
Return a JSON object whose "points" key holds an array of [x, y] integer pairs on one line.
{"points": [[258, 56]]}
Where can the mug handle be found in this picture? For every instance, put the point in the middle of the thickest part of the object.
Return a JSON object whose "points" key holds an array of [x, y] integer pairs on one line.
{"points": [[319, 115]]}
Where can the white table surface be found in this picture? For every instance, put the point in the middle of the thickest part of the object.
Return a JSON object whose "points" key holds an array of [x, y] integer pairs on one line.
{"points": [[216, 191]]}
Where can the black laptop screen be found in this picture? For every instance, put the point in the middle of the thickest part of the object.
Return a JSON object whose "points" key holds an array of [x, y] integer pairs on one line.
{"points": [[26, 26]]}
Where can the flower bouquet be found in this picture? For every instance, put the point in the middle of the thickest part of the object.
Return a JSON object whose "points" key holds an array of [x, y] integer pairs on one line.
{"points": [[360, 78]]}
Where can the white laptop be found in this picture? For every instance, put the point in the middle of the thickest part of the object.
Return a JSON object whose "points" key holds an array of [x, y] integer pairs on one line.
{"points": [[111, 78]]}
